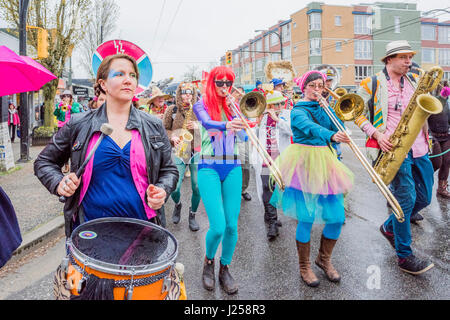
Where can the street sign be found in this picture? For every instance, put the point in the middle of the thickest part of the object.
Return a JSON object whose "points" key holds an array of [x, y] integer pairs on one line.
{"points": [[81, 91]]}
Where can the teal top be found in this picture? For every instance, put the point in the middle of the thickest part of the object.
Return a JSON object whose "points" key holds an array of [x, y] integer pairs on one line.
{"points": [[307, 131]]}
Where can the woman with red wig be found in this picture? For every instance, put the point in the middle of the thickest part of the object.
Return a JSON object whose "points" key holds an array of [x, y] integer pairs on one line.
{"points": [[219, 174]]}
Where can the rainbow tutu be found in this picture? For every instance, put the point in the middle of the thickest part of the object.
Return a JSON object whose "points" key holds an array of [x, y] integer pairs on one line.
{"points": [[315, 181]]}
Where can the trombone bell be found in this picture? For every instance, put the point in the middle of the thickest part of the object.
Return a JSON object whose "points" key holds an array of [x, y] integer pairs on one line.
{"points": [[253, 104]]}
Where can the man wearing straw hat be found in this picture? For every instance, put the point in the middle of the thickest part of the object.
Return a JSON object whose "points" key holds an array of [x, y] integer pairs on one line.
{"points": [[157, 103], [386, 95]]}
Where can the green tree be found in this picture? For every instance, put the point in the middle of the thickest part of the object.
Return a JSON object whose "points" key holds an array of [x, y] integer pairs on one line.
{"points": [[64, 20]]}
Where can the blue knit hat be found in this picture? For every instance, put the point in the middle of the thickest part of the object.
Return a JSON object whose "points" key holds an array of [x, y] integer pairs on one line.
{"points": [[258, 82]]}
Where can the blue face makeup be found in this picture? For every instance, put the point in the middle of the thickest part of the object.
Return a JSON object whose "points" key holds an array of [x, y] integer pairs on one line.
{"points": [[113, 74]]}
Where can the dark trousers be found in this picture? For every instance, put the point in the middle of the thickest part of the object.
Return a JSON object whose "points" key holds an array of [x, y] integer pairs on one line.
{"points": [[12, 132], [270, 212], [441, 163]]}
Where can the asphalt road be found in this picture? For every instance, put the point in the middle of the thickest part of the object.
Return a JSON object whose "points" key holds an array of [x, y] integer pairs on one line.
{"points": [[269, 270]]}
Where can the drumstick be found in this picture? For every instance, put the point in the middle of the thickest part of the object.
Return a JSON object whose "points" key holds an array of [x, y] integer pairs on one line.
{"points": [[105, 129]]}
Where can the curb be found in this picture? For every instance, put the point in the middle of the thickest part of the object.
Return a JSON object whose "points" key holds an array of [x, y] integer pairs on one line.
{"points": [[38, 237]]}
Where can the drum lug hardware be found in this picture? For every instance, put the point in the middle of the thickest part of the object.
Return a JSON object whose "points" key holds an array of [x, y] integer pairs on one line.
{"points": [[65, 265], [81, 284], [129, 290], [166, 284]]}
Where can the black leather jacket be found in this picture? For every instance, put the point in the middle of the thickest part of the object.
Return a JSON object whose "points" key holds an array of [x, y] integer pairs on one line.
{"points": [[72, 141]]}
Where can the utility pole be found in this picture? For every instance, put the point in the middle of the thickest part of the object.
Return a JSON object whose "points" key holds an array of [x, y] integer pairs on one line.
{"points": [[24, 112]]}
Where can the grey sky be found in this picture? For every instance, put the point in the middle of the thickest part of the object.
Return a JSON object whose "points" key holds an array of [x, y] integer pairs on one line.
{"points": [[202, 30]]}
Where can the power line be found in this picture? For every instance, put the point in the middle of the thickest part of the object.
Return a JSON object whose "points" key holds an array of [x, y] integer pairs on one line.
{"points": [[170, 26], [159, 21]]}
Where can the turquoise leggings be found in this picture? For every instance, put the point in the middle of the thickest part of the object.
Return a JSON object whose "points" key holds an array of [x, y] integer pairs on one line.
{"points": [[330, 231], [222, 201], [181, 166]]}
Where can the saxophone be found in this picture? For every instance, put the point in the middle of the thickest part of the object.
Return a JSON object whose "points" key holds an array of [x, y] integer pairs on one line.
{"points": [[181, 150], [420, 107]]}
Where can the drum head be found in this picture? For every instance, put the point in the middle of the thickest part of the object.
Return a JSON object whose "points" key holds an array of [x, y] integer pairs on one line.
{"points": [[123, 244]]}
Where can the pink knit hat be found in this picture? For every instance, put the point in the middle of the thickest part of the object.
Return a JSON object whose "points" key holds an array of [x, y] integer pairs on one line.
{"points": [[301, 81], [445, 92]]}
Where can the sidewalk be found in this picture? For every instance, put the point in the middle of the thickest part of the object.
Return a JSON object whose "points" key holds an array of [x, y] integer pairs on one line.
{"points": [[39, 213]]}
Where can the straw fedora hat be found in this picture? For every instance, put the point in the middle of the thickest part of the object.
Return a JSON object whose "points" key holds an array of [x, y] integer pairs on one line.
{"points": [[396, 47], [156, 93]]}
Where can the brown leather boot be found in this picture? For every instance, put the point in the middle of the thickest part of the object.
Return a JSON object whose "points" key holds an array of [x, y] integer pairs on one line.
{"points": [[208, 277], [306, 272], [226, 280], [442, 189], [323, 260]]}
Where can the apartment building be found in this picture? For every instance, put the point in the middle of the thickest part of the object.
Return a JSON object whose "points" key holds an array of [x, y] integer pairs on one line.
{"points": [[250, 58], [352, 38], [435, 44]]}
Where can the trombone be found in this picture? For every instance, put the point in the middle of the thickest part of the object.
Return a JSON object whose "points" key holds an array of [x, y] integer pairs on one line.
{"points": [[348, 107], [253, 104]]}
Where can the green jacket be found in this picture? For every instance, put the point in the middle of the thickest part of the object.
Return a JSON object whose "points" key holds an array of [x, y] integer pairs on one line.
{"points": [[61, 115]]}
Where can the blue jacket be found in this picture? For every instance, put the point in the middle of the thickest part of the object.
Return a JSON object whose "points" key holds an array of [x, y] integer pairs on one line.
{"points": [[10, 237], [305, 130]]}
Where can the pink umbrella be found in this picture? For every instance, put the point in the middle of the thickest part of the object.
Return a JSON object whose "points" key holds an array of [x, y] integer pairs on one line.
{"points": [[21, 73]]}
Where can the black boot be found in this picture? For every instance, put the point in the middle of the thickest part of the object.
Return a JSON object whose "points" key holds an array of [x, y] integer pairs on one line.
{"points": [[270, 214], [208, 277], [226, 280], [193, 225], [176, 213], [272, 231]]}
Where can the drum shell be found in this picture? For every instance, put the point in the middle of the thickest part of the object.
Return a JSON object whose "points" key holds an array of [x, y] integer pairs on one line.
{"points": [[148, 292]]}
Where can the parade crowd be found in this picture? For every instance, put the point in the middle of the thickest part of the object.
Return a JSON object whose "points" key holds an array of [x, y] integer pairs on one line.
{"points": [[153, 146]]}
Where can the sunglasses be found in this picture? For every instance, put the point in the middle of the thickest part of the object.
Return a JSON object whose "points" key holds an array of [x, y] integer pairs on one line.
{"points": [[221, 83], [187, 91]]}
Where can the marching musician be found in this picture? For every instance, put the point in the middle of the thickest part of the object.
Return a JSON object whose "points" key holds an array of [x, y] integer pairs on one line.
{"points": [[440, 131], [65, 108], [220, 174], [274, 133], [315, 179], [131, 173], [280, 85], [175, 122], [63, 113], [157, 103], [386, 95]]}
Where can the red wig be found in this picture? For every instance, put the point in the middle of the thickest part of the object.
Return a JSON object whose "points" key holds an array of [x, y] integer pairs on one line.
{"points": [[214, 102]]}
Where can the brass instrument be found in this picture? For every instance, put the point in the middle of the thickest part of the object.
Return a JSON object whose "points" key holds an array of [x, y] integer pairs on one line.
{"points": [[64, 107], [181, 150], [253, 105], [420, 107], [341, 91], [296, 98], [349, 107]]}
